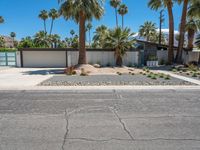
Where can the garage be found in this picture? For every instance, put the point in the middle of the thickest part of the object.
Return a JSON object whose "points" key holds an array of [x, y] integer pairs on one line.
{"points": [[43, 58]]}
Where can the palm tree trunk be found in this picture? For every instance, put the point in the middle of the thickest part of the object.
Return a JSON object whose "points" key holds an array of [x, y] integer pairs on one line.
{"points": [[171, 33], [45, 29], [82, 50], [119, 61], [191, 35], [182, 32], [89, 38], [51, 27], [122, 21], [116, 17]]}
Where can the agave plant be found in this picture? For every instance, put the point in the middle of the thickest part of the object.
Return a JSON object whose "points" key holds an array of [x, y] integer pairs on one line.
{"points": [[121, 40]]}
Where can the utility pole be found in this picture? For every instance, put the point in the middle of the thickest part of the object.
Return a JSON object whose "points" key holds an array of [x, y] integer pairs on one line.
{"points": [[161, 22]]}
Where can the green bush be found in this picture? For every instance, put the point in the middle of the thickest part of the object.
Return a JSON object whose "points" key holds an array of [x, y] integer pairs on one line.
{"points": [[153, 77], [167, 77], [8, 49], [161, 75], [174, 70], [194, 75]]}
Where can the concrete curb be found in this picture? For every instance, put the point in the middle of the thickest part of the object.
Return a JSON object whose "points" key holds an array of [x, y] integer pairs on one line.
{"points": [[94, 88]]}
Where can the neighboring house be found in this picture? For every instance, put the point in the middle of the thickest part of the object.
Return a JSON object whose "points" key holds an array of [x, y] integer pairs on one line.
{"points": [[8, 41]]}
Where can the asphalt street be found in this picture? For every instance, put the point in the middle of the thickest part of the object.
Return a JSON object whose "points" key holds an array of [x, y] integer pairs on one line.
{"points": [[100, 120]]}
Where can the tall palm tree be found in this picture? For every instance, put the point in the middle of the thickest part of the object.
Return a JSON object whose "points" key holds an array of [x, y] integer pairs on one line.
{"points": [[115, 4], [99, 36], [44, 16], [123, 10], [148, 30], [192, 26], [121, 40], [1, 20], [157, 4], [178, 58], [89, 27], [53, 14], [81, 11], [13, 35]]}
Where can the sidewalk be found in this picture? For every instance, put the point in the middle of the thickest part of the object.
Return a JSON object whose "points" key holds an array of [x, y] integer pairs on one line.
{"points": [[180, 77]]}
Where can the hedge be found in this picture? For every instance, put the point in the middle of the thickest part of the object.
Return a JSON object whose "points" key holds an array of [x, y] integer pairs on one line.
{"points": [[8, 49]]}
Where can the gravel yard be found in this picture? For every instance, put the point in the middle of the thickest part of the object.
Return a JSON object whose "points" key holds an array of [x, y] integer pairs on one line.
{"points": [[105, 80]]}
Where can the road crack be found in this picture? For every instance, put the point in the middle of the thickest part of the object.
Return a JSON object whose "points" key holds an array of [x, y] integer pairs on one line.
{"points": [[123, 124], [67, 130]]}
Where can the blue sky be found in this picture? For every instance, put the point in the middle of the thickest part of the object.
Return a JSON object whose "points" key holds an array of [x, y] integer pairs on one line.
{"points": [[21, 16]]}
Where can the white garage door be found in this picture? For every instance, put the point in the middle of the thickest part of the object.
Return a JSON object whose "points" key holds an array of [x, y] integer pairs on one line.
{"points": [[44, 59]]}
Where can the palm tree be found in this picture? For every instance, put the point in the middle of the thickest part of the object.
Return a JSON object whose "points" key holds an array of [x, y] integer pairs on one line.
{"points": [[53, 14], [147, 30], [89, 27], [13, 35], [44, 16], [120, 40], [192, 26], [115, 4], [99, 36], [157, 4], [123, 10], [54, 40], [194, 9], [81, 11], [41, 40], [182, 31], [1, 20]]}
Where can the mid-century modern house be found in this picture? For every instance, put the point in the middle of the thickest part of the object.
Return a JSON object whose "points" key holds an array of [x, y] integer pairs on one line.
{"points": [[64, 57]]}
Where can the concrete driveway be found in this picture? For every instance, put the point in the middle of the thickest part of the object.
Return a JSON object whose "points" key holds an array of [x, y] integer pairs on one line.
{"points": [[96, 120], [12, 78]]}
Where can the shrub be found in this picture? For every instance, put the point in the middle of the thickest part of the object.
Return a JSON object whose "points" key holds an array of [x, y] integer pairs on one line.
{"points": [[174, 70], [108, 65], [161, 75], [192, 67], [149, 75], [83, 73], [8, 49], [70, 71], [153, 77], [133, 74], [130, 64], [167, 77], [162, 62], [188, 73], [194, 75], [119, 73]]}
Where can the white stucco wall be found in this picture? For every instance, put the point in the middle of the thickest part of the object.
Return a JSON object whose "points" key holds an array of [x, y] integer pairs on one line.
{"points": [[18, 59], [58, 58], [103, 58], [44, 58]]}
